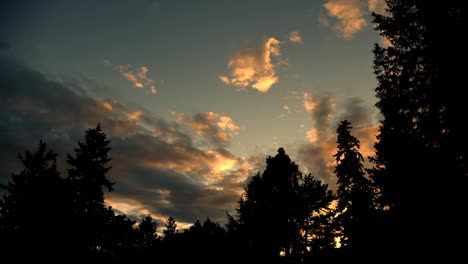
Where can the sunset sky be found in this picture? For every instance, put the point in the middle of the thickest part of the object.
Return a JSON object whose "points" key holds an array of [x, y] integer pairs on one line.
{"points": [[194, 95]]}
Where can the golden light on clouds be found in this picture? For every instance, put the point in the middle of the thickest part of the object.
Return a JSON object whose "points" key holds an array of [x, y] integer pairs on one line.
{"points": [[210, 124], [295, 37], [377, 6], [135, 115], [350, 15], [254, 67], [309, 103], [367, 137], [208, 166], [107, 106], [138, 77], [226, 123], [312, 135], [221, 163]]}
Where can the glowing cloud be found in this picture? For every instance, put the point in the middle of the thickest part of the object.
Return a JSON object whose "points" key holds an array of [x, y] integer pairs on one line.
{"points": [[350, 16], [309, 103], [377, 6], [215, 128], [312, 135], [295, 37], [137, 77], [255, 67], [135, 115], [107, 105]]}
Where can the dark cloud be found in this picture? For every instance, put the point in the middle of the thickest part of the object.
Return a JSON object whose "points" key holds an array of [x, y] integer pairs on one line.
{"points": [[356, 112], [159, 166], [317, 154]]}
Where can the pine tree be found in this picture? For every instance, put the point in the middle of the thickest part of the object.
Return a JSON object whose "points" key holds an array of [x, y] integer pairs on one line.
{"points": [[89, 167], [278, 209], [87, 176], [33, 207], [170, 228], [420, 161], [147, 229], [355, 195]]}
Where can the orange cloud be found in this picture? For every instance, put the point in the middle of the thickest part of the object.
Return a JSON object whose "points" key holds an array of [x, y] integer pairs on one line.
{"points": [[350, 16], [295, 37], [377, 6], [309, 102], [312, 135], [367, 137], [255, 67], [216, 128], [107, 105], [210, 166], [135, 115], [137, 77]]}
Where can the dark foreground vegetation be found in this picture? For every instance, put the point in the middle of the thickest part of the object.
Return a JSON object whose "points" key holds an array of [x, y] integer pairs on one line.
{"points": [[410, 205]]}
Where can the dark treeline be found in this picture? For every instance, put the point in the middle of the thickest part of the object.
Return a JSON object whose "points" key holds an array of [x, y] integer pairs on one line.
{"points": [[409, 205]]}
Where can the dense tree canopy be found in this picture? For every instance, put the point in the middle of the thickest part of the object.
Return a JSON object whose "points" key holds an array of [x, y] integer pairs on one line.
{"points": [[276, 214], [420, 166]]}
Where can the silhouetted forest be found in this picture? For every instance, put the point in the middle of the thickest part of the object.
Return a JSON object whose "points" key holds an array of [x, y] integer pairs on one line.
{"points": [[409, 205]]}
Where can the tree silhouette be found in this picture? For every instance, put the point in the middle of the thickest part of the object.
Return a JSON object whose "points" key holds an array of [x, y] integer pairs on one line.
{"points": [[318, 217], [31, 209], [60, 219], [420, 161], [89, 167], [147, 229], [170, 228], [87, 176], [274, 215], [355, 195]]}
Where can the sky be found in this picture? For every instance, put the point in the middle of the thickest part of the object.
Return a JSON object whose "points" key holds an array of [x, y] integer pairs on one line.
{"points": [[193, 95]]}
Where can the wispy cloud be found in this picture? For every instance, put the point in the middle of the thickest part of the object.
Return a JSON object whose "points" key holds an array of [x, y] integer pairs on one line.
{"points": [[316, 155], [216, 128], [137, 76], [349, 16], [255, 67], [295, 37]]}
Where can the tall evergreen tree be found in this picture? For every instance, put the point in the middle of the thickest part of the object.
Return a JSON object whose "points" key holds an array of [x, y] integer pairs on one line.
{"points": [[89, 167], [420, 166], [170, 228], [318, 219], [274, 213], [147, 229], [354, 192], [87, 176], [33, 207]]}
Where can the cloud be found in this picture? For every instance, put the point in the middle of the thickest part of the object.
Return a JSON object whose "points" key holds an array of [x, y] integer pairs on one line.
{"points": [[349, 16], [215, 128], [295, 37], [255, 67], [160, 165], [365, 127], [317, 154], [377, 6], [137, 76], [321, 108]]}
